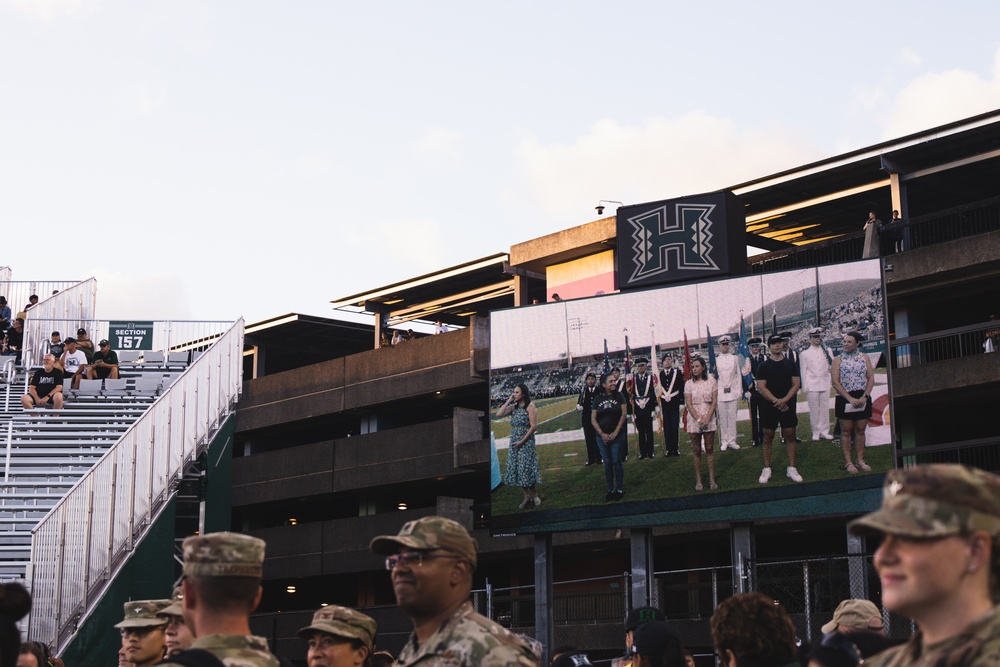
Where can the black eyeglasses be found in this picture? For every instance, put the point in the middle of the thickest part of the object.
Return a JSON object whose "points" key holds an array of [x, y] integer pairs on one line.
{"points": [[413, 559]]}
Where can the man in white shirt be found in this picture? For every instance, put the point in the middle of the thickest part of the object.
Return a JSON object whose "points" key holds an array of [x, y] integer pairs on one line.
{"points": [[814, 367], [730, 390], [73, 362]]}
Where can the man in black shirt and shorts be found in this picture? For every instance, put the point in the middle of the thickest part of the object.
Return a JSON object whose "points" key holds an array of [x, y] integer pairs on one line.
{"points": [[778, 383], [45, 387]]}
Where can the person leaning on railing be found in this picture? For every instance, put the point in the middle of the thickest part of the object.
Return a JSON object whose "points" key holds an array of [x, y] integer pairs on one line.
{"points": [[992, 338]]}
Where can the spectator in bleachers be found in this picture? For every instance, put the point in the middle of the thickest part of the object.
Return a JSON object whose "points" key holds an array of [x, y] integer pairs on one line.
{"points": [[56, 346], [45, 387], [73, 362], [397, 337], [14, 339], [84, 343], [32, 301], [5, 314], [440, 328], [104, 364], [14, 604]]}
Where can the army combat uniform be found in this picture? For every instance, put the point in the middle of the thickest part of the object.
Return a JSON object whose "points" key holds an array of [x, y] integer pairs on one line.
{"points": [[468, 639], [976, 646], [225, 555]]}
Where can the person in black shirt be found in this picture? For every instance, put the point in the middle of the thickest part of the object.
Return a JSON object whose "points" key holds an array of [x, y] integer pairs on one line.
{"points": [[46, 386], [778, 383], [608, 418]]}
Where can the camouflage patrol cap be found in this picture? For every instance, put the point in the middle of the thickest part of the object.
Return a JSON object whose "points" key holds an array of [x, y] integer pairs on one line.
{"points": [[176, 607], [223, 555], [935, 500], [142, 614], [342, 622], [429, 532]]}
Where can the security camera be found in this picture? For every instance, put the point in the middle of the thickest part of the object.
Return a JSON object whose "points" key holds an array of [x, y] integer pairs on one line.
{"points": [[600, 210]]}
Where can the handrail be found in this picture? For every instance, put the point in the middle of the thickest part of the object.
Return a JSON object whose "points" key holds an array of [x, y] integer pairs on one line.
{"points": [[955, 343], [947, 447], [77, 548], [944, 333], [62, 312]]}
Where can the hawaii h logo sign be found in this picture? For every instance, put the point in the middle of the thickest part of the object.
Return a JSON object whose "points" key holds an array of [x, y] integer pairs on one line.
{"points": [[681, 240], [687, 240]]}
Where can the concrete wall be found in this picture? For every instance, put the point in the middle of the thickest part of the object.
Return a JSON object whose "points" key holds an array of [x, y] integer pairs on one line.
{"points": [[414, 368], [947, 375], [955, 261]]}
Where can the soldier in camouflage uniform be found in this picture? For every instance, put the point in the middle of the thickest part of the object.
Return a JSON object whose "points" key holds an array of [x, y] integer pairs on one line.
{"points": [[222, 573], [431, 561], [142, 632], [938, 563], [339, 637], [178, 635]]}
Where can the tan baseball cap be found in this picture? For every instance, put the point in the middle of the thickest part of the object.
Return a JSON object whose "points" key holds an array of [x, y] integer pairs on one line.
{"points": [[857, 614], [143, 614], [429, 532], [223, 555], [937, 500], [342, 622], [176, 607]]}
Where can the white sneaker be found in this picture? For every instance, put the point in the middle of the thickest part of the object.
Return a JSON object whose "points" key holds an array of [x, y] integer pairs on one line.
{"points": [[793, 474], [733, 445], [815, 437], [724, 447], [827, 436], [765, 475]]}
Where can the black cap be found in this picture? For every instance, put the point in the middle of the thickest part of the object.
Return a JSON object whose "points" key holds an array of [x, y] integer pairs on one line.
{"points": [[572, 659], [754, 341], [641, 360], [69, 340], [641, 615], [652, 638], [787, 335], [103, 342], [81, 330], [775, 339]]}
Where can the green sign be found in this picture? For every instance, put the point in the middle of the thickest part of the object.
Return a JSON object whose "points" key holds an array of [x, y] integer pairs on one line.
{"points": [[130, 335]]}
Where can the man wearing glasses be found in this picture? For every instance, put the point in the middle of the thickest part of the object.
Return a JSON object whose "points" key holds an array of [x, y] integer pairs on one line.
{"points": [[431, 562], [143, 632]]}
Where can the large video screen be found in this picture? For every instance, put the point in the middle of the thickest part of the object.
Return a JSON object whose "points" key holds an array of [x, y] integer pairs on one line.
{"points": [[575, 472]]}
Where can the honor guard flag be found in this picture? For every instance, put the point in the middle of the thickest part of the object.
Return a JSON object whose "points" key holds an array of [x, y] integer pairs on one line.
{"points": [[687, 357], [712, 370], [606, 368], [743, 356]]}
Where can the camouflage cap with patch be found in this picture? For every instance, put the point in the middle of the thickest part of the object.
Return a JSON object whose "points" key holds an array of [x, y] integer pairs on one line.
{"points": [[342, 622], [142, 614], [935, 500], [176, 607], [223, 555], [429, 532]]}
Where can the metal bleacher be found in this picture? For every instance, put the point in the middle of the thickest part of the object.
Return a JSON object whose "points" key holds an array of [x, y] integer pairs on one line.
{"points": [[47, 451]]}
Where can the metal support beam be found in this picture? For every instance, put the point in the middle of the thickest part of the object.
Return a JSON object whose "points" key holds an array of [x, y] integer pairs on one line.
{"points": [[543, 593], [642, 567], [744, 551], [857, 566]]}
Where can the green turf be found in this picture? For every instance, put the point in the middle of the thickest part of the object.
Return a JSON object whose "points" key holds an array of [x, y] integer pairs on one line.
{"points": [[566, 483]]}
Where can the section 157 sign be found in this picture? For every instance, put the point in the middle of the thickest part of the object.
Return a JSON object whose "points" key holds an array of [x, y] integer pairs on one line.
{"points": [[681, 240], [130, 335]]}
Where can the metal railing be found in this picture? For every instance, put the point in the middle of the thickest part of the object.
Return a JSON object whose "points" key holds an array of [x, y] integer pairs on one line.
{"points": [[983, 453], [18, 292], [79, 545], [918, 232], [62, 312], [943, 345]]}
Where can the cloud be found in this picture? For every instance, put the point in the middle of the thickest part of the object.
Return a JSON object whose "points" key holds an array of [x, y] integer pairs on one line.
{"points": [[656, 159], [45, 10], [909, 57], [937, 98], [140, 295], [399, 249], [438, 145]]}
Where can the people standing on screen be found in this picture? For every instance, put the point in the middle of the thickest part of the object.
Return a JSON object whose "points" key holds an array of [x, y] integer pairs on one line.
{"points": [[522, 459], [671, 393], [938, 563], [621, 385], [643, 400], [871, 227], [609, 417], [853, 380], [730, 386], [778, 384], [814, 367], [700, 404], [584, 404], [756, 359]]}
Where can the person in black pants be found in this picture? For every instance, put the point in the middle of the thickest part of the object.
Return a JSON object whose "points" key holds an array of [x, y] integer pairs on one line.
{"points": [[643, 399], [671, 395], [584, 405], [756, 358]]}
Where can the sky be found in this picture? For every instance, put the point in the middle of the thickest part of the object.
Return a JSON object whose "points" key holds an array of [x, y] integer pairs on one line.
{"points": [[215, 160]]}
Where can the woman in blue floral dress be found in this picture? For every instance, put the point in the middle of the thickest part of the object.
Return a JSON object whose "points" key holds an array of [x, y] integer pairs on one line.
{"points": [[522, 459]]}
